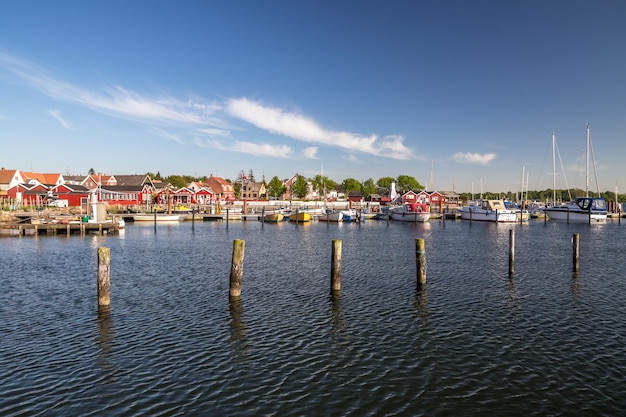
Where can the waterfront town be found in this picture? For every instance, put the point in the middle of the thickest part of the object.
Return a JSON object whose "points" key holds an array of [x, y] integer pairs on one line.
{"points": [[133, 193]]}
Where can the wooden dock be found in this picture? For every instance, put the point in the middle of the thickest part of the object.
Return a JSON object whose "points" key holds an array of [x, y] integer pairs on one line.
{"points": [[71, 228]]}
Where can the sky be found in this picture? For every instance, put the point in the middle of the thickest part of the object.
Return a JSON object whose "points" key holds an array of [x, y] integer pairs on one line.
{"points": [[461, 95]]}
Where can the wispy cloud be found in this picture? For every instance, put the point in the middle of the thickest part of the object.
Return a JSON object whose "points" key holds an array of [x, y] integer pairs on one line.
{"points": [[473, 158], [205, 123], [56, 114], [262, 149], [296, 126], [310, 153]]}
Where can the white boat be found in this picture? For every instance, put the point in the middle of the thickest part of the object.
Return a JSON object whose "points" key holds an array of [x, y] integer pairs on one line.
{"points": [[159, 218], [349, 215], [413, 212], [583, 209], [331, 216], [488, 211]]}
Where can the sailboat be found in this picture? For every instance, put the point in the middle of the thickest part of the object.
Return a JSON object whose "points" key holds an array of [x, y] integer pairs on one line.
{"points": [[583, 209]]}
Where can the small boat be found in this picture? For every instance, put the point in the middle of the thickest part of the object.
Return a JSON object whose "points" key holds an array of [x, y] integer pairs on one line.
{"points": [[522, 215], [158, 217], [331, 216], [349, 215], [488, 211], [410, 212], [300, 216], [273, 217], [583, 209]]}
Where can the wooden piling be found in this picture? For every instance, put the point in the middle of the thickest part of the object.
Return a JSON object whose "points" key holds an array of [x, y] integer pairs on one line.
{"points": [[420, 261], [576, 251], [511, 251], [104, 279], [193, 220], [335, 266], [155, 219], [236, 270]]}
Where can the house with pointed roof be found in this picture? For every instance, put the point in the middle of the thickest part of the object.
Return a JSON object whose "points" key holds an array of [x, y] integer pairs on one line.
{"points": [[288, 183], [224, 190], [10, 178], [252, 190]]}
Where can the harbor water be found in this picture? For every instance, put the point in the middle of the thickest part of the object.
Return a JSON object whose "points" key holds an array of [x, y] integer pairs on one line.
{"points": [[545, 341]]}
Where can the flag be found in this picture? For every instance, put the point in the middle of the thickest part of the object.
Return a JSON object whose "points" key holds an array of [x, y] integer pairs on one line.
{"points": [[243, 175]]}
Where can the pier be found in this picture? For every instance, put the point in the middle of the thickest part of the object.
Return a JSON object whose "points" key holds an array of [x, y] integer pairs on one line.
{"points": [[71, 228]]}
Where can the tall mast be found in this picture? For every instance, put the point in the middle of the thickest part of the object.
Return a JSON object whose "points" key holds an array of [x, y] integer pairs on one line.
{"points": [[587, 163], [553, 169]]}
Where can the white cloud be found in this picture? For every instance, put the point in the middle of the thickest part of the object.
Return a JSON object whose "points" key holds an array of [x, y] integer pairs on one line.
{"points": [[301, 128], [211, 120], [310, 153], [256, 149], [473, 158], [56, 114]]}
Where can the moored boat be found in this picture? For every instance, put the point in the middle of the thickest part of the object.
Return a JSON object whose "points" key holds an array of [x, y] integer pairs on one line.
{"points": [[331, 216], [583, 209], [273, 217], [413, 212], [158, 217], [300, 216], [488, 211]]}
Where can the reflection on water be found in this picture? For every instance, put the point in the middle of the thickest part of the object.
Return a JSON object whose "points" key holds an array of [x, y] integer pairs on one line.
{"points": [[105, 343], [237, 330], [473, 341]]}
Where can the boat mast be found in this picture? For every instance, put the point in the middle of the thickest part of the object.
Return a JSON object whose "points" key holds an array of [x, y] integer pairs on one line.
{"points": [[587, 163], [553, 169]]}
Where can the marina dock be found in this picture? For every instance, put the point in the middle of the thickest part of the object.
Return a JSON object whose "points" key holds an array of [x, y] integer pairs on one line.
{"points": [[71, 228]]}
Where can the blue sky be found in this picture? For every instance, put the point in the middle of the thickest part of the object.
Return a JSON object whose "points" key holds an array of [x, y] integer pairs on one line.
{"points": [[463, 93]]}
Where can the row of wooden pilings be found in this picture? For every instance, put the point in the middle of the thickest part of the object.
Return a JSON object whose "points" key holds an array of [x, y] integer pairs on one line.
{"points": [[236, 270]]}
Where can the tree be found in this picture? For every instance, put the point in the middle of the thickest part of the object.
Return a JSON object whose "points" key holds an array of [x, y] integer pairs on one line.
{"points": [[385, 182], [351, 184], [275, 188], [368, 187], [298, 188], [407, 183], [322, 184], [178, 181], [91, 171]]}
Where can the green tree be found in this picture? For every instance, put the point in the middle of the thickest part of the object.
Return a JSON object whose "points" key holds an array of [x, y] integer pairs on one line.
{"points": [[322, 183], [275, 188], [385, 182], [351, 184], [177, 181], [369, 187], [298, 188], [407, 183], [91, 171]]}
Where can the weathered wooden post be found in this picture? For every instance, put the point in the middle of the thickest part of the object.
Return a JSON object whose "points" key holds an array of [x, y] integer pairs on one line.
{"points": [[297, 215], [420, 261], [227, 218], [335, 266], [104, 279], [155, 219], [576, 250], [511, 251], [236, 269], [193, 219], [262, 217]]}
